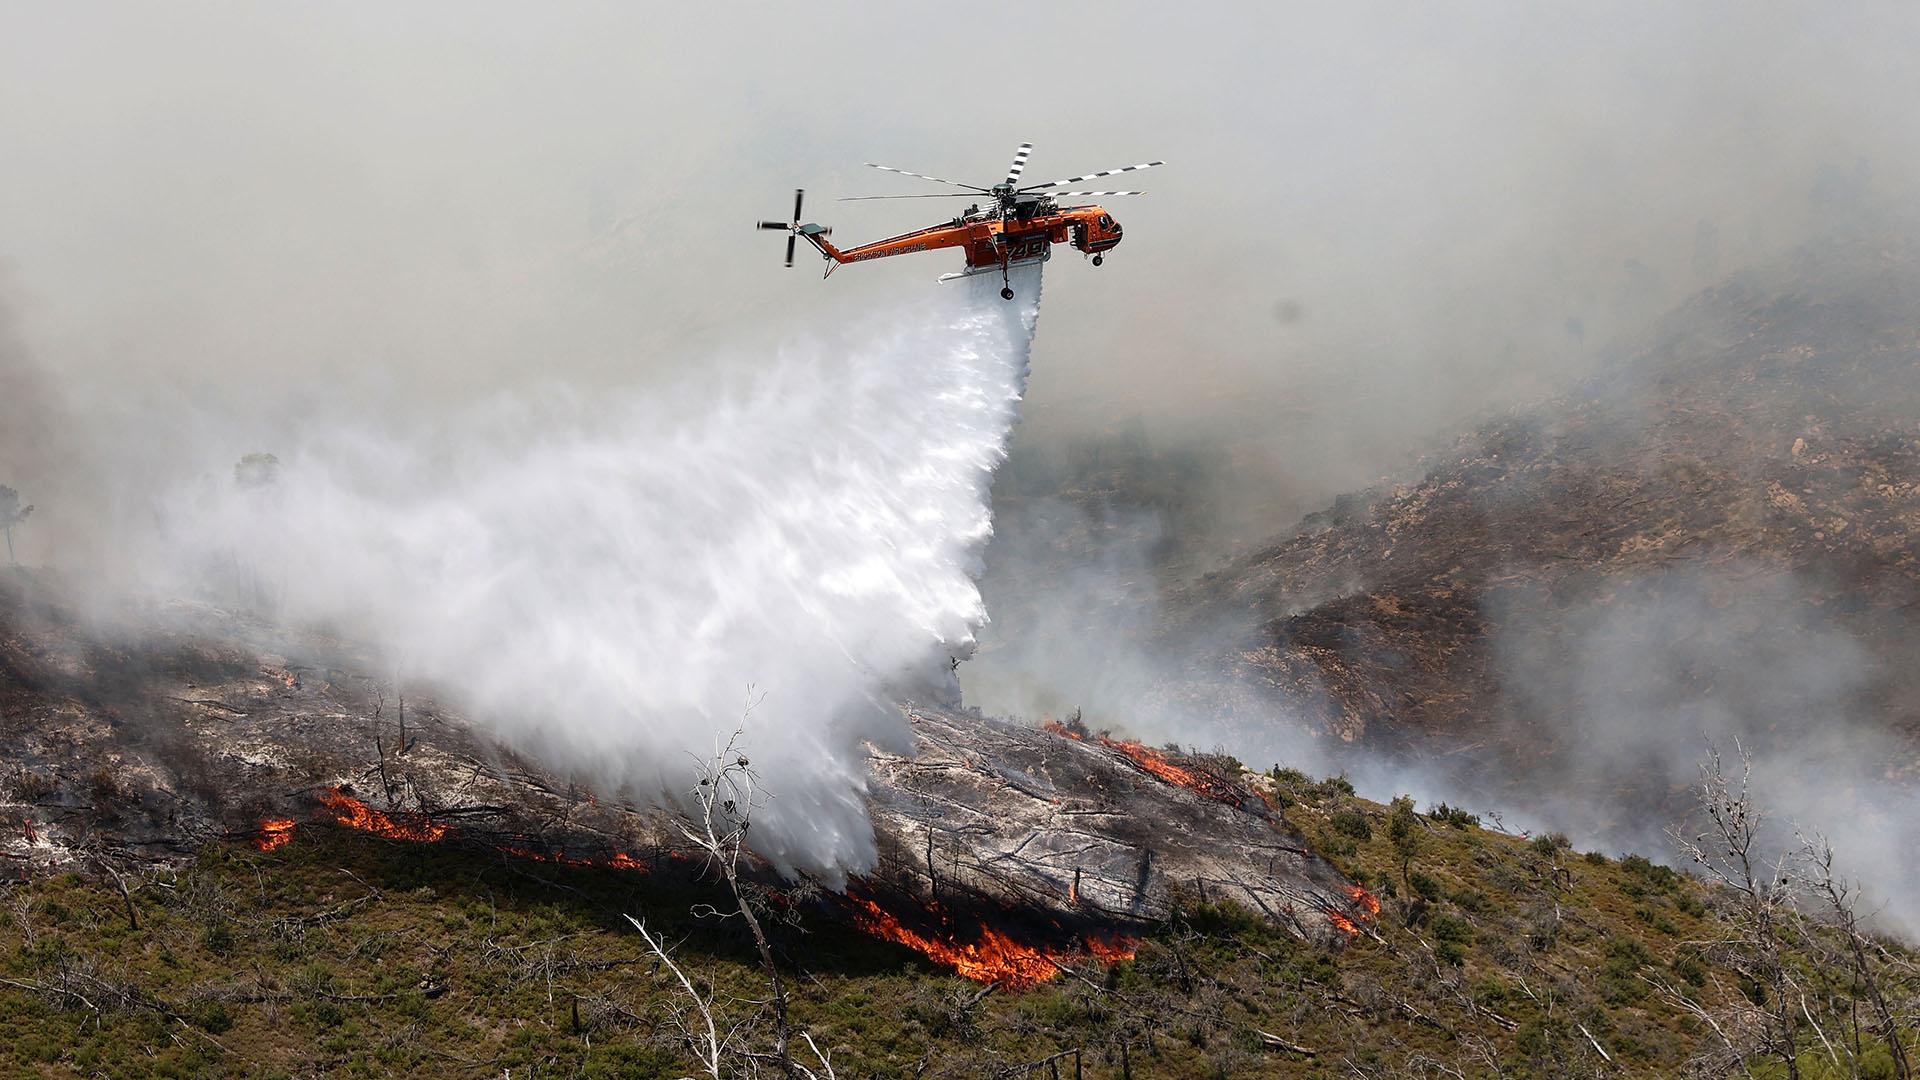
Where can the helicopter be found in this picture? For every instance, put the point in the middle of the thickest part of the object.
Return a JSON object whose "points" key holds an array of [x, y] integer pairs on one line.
{"points": [[1006, 227]]}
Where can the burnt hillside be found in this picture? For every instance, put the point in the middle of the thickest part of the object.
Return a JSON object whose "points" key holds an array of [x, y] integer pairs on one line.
{"points": [[1716, 532], [134, 734]]}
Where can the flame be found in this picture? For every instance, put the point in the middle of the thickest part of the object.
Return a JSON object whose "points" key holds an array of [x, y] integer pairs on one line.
{"points": [[26, 826], [355, 814], [1362, 904], [1194, 779], [1112, 951], [993, 957], [1157, 763], [619, 860], [274, 832]]}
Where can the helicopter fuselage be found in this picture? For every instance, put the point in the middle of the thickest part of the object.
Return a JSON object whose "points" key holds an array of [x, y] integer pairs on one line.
{"points": [[987, 240]]}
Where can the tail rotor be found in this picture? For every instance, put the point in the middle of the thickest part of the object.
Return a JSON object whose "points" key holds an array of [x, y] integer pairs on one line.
{"points": [[792, 229]]}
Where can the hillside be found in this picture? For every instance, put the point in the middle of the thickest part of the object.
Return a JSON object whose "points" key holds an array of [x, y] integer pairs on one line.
{"points": [[342, 953], [1717, 532], [227, 854]]}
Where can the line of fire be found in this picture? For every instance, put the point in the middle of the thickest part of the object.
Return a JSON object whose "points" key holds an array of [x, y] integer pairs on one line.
{"points": [[992, 941]]}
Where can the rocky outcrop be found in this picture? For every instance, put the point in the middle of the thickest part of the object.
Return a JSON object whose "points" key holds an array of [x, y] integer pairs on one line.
{"points": [[138, 735]]}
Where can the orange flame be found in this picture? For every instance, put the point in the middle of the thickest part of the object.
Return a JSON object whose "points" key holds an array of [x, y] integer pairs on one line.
{"points": [[619, 860], [1361, 903], [1157, 763], [274, 832], [1114, 950], [26, 826], [355, 814], [994, 957]]}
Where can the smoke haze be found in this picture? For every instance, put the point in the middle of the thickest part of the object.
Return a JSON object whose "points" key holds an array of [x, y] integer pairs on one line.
{"points": [[468, 269], [614, 584]]}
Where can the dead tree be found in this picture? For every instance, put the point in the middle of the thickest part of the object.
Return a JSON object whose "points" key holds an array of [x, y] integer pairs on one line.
{"points": [[724, 800], [1729, 852], [1816, 860]]}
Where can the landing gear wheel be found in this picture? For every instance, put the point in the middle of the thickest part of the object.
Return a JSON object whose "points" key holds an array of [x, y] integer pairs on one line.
{"points": [[1006, 294], [1098, 259]]}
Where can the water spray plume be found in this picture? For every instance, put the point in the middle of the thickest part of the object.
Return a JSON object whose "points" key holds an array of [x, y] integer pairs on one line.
{"points": [[599, 582]]}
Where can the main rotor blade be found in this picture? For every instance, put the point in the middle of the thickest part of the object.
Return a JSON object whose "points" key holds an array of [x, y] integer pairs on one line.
{"points": [[791, 237], [1092, 176], [781, 225], [923, 176], [940, 195], [1088, 194], [798, 194], [1019, 161]]}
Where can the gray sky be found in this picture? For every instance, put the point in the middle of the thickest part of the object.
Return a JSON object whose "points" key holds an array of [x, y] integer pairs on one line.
{"points": [[1374, 221]]}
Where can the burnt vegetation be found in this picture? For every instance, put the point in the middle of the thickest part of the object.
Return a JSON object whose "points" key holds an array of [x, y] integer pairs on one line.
{"points": [[219, 838], [345, 953]]}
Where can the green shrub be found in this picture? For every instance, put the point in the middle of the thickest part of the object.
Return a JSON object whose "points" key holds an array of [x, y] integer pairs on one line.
{"points": [[219, 939], [1454, 816], [1620, 974], [213, 1018], [1452, 928], [1333, 787], [1334, 845], [1427, 888], [1550, 844], [1653, 874], [1688, 966], [1655, 919], [1352, 823], [1293, 779], [1473, 900]]}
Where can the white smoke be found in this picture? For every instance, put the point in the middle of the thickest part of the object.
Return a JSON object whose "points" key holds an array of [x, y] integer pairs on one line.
{"points": [[601, 581]]}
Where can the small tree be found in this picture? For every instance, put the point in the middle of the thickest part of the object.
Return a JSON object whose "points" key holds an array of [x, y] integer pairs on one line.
{"points": [[1407, 832], [1730, 852], [725, 798], [1837, 896], [11, 514]]}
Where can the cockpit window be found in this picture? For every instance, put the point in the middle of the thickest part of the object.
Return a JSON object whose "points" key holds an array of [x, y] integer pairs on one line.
{"points": [[1106, 222]]}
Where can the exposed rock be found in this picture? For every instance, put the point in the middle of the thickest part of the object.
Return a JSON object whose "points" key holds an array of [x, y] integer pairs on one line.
{"points": [[1040, 818], [139, 735]]}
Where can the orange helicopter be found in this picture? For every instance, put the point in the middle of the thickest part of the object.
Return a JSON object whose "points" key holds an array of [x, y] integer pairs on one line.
{"points": [[1018, 224]]}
